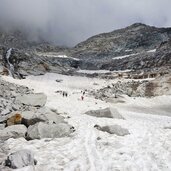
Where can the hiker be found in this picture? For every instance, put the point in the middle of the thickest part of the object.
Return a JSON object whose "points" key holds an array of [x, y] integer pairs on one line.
{"points": [[66, 94], [63, 93], [82, 97]]}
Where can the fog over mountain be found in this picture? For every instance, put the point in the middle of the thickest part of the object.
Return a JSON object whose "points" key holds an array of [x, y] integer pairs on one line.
{"points": [[71, 21]]}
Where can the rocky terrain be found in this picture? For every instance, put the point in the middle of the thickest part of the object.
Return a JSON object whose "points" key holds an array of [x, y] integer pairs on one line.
{"points": [[128, 64], [36, 122], [137, 47]]}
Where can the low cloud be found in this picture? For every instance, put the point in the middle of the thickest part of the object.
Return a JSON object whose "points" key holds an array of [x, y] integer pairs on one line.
{"points": [[71, 21]]}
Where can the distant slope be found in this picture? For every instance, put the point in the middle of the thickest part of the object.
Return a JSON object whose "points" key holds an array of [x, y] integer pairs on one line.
{"points": [[20, 40], [135, 38]]}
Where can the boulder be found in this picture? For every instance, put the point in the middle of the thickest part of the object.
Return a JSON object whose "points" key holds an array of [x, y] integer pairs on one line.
{"points": [[113, 129], [44, 130], [20, 159], [42, 115], [37, 100], [14, 131], [49, 115], [107, 113]]}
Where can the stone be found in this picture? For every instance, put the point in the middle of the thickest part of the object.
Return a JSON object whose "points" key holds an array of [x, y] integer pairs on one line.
{"points": [[14, 131], [5, 112], [113, 129], [42, 115], [37, 100], [107, 113], [20, 159], [44, 130]]}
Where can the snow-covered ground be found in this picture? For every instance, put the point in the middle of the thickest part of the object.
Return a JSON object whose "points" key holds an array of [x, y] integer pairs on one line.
{"points": [[152, 51], [125, 56], [55, 55], [147, 148], [133, 54]]}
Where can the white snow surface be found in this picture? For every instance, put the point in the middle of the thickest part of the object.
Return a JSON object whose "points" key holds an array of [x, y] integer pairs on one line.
{"points": [[146, 148], [56, 55], [152, 51], [125, 56]]}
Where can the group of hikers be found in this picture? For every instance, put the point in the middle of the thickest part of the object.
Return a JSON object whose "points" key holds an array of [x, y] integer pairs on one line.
{"points": [[65, 94]]}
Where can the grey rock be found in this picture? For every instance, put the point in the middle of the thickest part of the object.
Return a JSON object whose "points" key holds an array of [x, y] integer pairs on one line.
{"points": [[44, 130], [43, 114], [20, 159], [5, 112], [38, 99], [14, 131], [107, 113], [113, 129]]}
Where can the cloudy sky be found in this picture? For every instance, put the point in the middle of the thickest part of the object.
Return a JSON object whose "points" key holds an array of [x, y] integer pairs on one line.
{"points": [[67, 22]]}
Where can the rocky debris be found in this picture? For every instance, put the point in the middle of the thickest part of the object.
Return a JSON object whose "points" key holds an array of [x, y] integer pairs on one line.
{"points": [[36, 100], [135, 88], [8, 94], [20, 159], [45, 130], [113, 129], [23, 109], [14, 131], [107, 113]]}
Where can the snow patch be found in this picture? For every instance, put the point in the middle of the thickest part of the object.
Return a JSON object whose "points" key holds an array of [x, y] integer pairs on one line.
{"points": [[125, 56], [152, 51]]}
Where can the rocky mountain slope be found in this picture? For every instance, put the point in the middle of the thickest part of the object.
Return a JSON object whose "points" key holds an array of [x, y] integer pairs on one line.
{"points": [[135, 38], [138, 47], [133, 47]]}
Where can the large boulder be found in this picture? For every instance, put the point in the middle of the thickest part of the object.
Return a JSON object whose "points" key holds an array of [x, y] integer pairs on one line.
{"points": [[42, 115], [107, 113], [113, 129], [20, 159], [44, 130], [14, 131], [37, 100]]}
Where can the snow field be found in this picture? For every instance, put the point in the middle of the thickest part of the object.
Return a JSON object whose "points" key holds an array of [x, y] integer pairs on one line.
{"points": [[147, 148]]}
